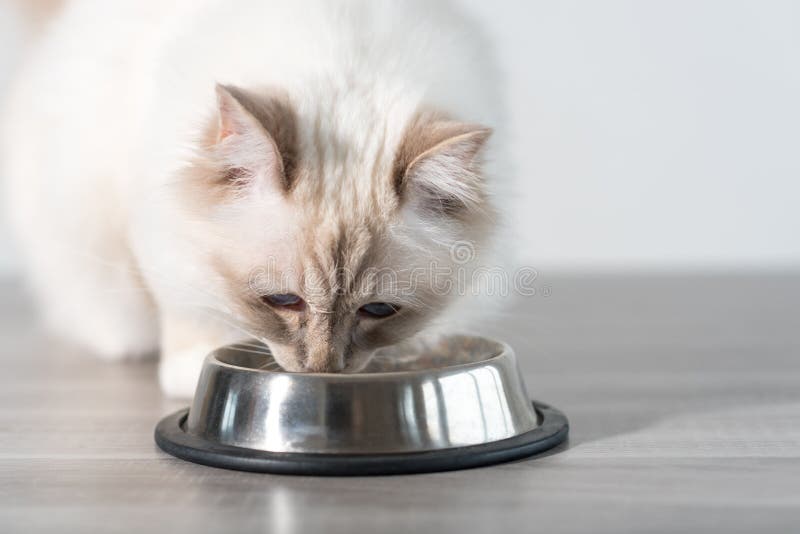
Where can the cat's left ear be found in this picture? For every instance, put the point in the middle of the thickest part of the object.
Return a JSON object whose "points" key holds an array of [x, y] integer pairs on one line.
{"points": [[438, 166], [244, 141]]}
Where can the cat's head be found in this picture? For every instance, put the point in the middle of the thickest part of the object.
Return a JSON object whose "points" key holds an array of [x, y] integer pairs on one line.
{"points": [[332, 232]]}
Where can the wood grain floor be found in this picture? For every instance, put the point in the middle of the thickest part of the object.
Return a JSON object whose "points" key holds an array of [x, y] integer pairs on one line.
{"points": [[683, 392]]}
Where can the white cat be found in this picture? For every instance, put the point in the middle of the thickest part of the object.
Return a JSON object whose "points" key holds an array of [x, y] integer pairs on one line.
{"points": [[186, 174]]}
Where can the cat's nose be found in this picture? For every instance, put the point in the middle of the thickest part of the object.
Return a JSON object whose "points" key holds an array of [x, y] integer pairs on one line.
{"points": [[324, 363]]}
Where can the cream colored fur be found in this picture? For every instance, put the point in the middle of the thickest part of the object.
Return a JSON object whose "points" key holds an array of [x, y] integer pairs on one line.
{"points": [[111, 111]]}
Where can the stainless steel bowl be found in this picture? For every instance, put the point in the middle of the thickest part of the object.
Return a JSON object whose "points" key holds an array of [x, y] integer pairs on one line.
{"points": [[454, 403]]}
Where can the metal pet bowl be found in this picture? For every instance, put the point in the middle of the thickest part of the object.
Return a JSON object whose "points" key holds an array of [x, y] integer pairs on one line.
{"points": [[456, 403]]}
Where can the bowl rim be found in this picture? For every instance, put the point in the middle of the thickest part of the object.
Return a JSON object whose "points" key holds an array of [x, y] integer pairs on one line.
{"points": [[504, 351]]}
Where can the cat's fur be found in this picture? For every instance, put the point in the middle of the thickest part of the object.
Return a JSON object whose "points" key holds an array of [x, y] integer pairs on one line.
{"points": [[171, 162]]}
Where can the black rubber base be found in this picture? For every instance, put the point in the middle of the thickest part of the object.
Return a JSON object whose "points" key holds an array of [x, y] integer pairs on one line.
{"points": [[171, 437]]}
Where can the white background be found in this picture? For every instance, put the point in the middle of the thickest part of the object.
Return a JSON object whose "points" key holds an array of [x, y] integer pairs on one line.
{"points": [[647, 134]]}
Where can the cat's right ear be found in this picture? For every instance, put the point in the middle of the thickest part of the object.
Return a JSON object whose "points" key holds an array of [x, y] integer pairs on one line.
{"points": [[243, 146]]}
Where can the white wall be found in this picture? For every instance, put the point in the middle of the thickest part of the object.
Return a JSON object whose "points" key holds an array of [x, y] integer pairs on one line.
{"points": [[657, 134]]}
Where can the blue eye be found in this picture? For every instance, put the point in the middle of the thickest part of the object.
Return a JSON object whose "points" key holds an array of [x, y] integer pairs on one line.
{"points": [[378, 310], [284, 300]]}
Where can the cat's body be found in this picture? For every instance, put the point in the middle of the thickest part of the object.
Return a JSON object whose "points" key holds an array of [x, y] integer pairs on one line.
{"points": [[149, 204]]}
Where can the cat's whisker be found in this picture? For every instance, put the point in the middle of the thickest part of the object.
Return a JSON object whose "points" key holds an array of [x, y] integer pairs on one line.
{"points": [[228, 320], [250, 349], [253, 352], [265, 350], [271, 365]]}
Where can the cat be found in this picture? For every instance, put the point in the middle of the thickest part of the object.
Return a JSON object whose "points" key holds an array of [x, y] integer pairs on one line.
{"points": [[182, 175]]}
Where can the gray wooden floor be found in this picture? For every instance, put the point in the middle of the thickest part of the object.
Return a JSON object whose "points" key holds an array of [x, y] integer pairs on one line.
{"points": [[683, 392]]}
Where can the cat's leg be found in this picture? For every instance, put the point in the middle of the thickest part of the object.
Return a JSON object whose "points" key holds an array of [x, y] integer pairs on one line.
{"points": [[186, 340]]}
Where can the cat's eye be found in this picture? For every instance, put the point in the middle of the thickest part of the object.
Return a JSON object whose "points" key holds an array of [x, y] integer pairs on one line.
{"points": [[378, 310], [284, 300]]}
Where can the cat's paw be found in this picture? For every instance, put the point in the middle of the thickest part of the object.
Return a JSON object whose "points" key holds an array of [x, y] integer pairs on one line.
{"points": [[179, 371]]}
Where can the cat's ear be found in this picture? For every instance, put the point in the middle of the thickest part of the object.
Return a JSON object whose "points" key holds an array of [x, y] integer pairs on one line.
{"points": [[244, 143], [438, 166]]}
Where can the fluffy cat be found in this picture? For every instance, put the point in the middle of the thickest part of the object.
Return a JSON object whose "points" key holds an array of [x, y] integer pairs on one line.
{"points": [[187, 174]]}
